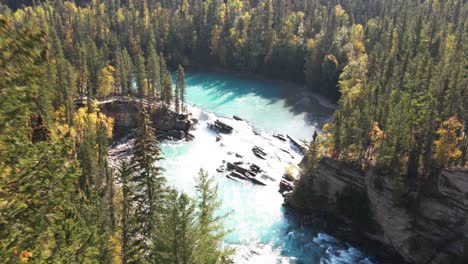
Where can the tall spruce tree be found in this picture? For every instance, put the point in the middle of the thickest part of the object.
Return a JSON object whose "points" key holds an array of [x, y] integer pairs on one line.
{"points": [[142, 84], [167, 92], [210, 224], [149, 184], [128, 254], [179, 231], [181, 92], [154, 73]]}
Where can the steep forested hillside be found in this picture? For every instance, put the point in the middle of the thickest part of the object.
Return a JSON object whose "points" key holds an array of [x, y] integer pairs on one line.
{"points": [[397, 68]]}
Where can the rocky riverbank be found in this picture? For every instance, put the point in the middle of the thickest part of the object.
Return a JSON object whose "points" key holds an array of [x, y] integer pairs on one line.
{"points": [[374, 212], [125, 112]]}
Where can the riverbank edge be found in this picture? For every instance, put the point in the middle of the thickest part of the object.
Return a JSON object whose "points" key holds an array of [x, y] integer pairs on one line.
{"points": [[325, 101]]}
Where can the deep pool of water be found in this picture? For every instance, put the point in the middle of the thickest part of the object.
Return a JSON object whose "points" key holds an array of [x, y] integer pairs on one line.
{"points": [[261, 231]]}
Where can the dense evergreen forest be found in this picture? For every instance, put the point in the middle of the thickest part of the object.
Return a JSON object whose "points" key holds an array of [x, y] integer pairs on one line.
{"points": [[397, 68]]}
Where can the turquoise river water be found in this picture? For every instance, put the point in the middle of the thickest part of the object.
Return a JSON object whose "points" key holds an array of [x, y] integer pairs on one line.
{"points": [[261, 231]]}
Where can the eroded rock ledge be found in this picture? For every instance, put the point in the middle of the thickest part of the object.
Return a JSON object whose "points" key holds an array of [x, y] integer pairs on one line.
{"points": [[377, 213], [125, 112]]}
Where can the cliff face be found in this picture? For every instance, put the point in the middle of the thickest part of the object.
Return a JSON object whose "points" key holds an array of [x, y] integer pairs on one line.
{"points": [[126, 116], [421, 227]]}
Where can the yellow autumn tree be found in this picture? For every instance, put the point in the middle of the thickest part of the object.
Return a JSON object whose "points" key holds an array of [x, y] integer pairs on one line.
{"points": [[106, 81], [326, 140], [446, 147], [375, 135], [90, 122]]}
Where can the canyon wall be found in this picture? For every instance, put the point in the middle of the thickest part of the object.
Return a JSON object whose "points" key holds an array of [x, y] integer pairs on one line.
{"points": [[423, 226]]}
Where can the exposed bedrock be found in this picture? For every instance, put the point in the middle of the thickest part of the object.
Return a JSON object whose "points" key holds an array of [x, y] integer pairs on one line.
{"points": [[421, 227], [126, 116]]}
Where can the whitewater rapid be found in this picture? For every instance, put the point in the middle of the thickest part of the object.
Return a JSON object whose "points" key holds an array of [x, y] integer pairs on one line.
{"points": [[260, 229]]}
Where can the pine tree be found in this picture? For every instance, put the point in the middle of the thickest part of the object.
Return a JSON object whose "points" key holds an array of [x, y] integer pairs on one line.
{"points": [[177, 96], [141, 77], [167, 93], [149, 184], [210, 225], [181, 92], [128, 254], [154, 73], [179, 229]]}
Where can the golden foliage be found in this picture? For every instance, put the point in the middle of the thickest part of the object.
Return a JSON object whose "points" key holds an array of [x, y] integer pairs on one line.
{"points": [[63, 128], [106, 81], [25, 255], [326, 140], [310, 44], [90, 122], [376, 134], [446, 147], [339, 11], [114, 243]]}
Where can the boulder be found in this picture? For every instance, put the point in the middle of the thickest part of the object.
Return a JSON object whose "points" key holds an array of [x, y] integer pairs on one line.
{"points": [[289, 177], [280, 137], [220, 127], [189, 136], [257, 181], [255, 168], [176, 134], [233, 178], [237, 118], [259, 152], [285, 186], [239, 175], [236, 167]]}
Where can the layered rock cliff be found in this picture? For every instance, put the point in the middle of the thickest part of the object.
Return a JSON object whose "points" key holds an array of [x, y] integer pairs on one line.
{"points": [[125, 112], [429, 225]]}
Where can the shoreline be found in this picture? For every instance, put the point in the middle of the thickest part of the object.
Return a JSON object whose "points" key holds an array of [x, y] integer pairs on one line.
{"points": [[300, 87]]}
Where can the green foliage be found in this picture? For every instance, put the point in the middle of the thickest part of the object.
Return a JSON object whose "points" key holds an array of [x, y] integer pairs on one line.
{"points": [[181, 92], [210, 228], [149, 188], [180, 238], [40, 216], [398, 69]]}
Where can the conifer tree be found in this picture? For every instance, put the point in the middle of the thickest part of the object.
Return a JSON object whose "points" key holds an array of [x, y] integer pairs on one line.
{"points": [[149, 184], [167, 92], [141, 77], [179, 229], [181, 92], [38, 176], [177, 96], [128, 253], [210, 224], [154, 73]]}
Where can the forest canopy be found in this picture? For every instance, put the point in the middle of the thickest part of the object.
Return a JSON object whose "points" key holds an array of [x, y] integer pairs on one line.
{"points": [[397, 68]]}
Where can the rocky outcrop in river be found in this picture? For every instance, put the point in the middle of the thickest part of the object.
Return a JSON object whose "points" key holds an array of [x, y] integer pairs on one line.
{"points": [[421, 227], [125, 112]]}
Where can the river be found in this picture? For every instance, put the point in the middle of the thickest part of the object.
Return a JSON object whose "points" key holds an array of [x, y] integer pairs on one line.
{"points": [[261, 231]]}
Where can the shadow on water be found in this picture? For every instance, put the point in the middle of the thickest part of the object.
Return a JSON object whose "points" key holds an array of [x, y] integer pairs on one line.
{"points": [[223, 88]]}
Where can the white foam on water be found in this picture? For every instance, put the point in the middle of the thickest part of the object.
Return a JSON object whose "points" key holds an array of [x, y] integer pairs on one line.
{"points": [[260, 231]]}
